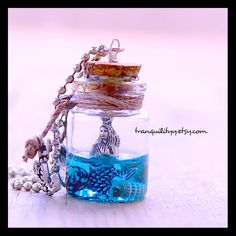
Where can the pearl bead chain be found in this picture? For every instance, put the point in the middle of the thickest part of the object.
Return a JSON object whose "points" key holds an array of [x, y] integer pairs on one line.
{"points": [[27, 181]]}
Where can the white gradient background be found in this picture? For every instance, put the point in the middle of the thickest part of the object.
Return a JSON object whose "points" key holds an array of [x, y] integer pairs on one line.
{"points": [[183, 53]]}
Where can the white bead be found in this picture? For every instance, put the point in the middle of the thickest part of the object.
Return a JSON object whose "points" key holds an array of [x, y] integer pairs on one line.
{"points": [[62, 90], [70, 79], [35, 179], [17, 184], [78, 67], [81, 73], [12, 183], [25, 173], [56, 102], [26, 179], [36, 187], [18, 179], [20, 170], [85, 57], [27, 186], [12, 172]]}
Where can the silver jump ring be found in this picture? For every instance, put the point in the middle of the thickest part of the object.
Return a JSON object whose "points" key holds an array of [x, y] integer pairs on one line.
{"points": [[112, 57], [118, 42]]}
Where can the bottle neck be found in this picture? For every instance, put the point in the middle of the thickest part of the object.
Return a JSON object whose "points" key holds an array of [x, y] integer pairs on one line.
{"points": [[109, 113], [111, 95]]}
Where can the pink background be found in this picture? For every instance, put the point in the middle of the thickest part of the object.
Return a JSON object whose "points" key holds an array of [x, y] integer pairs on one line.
{"points": [[183, 53]]}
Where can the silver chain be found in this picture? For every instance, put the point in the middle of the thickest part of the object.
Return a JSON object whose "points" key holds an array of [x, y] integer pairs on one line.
{"points": [[46, 179]]}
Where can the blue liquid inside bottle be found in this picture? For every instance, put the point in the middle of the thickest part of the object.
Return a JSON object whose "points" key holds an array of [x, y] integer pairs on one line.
{"points": [[107, 178]]}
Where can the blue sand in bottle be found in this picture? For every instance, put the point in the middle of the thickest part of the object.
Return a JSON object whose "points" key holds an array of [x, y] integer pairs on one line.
{"points": [[107, 178]]}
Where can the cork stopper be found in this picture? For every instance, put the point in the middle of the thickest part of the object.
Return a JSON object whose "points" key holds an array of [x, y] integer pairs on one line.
{"points": [[100, 68]]}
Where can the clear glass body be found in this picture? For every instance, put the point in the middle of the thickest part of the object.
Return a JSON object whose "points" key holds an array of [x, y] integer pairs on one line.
{"points": [[107, 161]]}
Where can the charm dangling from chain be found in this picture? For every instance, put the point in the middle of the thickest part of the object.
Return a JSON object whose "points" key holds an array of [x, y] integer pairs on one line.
{"points": [[55, 150]]}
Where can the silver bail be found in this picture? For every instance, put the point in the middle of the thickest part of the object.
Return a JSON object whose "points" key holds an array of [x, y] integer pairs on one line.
{"points": [[112, 54]]}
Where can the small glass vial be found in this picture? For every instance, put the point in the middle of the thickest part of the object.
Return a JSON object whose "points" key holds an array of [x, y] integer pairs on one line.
{"points": [[107, 161]]}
